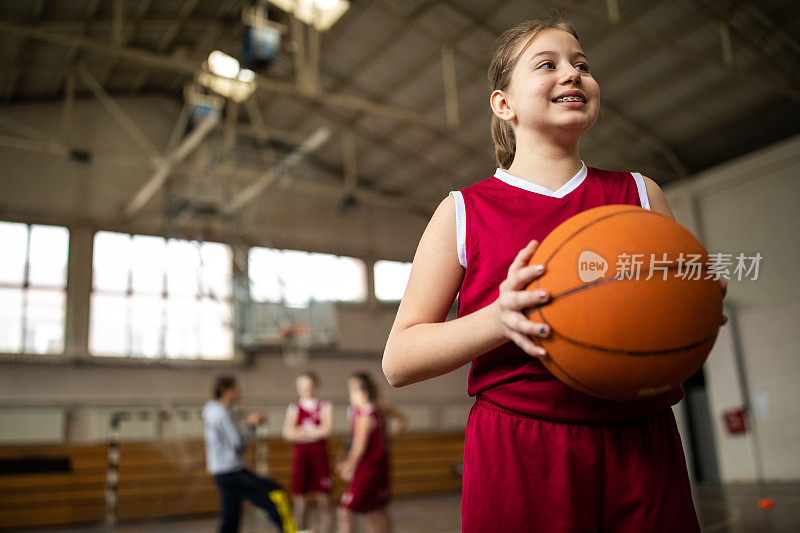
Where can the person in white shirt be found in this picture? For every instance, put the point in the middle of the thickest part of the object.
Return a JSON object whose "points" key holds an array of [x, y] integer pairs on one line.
{"points": [[224, 446]]}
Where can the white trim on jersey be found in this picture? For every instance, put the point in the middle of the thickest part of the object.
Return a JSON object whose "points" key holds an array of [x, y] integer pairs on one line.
{"points": [[640, 185], [309, 404], [461, 227], [564, 190]]}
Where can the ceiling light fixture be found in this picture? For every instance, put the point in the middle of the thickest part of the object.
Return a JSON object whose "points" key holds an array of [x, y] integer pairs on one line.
{"points": [[322, 14], [222, 64], [221, 74]]}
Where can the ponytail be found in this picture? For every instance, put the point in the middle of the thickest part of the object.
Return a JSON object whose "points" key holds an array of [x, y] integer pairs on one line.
{"points": [[505, 145]]}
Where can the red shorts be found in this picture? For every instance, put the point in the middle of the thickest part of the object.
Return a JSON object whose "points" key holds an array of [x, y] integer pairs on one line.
{"points": [[311, 472], [369, 489], [525, 474]]}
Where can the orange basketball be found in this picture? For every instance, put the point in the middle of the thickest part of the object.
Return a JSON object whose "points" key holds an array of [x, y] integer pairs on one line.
{"points": [[615, 334]]}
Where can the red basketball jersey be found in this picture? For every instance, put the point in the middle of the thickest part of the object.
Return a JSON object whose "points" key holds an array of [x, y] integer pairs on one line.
{"points": [[311, 415], [496, 218], [310, 470], [376, 444]]}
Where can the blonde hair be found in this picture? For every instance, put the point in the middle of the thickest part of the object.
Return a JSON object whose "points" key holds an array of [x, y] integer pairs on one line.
{"points": [[503, 60]]}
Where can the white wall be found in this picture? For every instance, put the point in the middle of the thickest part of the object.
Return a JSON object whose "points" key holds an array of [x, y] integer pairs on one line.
{"points": [[91, 393], [749, 205]]}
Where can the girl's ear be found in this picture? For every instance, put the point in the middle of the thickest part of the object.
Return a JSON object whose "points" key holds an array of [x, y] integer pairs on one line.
{"points": [[501, 106]]}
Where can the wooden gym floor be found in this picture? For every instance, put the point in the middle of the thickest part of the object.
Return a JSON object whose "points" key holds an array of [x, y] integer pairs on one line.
{"points": [[733, 509]]}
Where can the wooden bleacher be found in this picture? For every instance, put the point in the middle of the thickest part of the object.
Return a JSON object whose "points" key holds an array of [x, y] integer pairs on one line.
{"points": [[50, 499], [168, 479]]}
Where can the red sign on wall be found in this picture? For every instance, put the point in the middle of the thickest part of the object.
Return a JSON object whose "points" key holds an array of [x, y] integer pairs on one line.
{"points": [[735, 421]]}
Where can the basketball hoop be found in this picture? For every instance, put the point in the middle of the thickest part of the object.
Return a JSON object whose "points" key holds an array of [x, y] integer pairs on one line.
{"points": [[280, 327], [293, 330], [295, 341]]}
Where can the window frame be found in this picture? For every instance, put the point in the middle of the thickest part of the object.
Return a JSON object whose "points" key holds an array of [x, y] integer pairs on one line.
{"points": [[26, 287], [364, 275], [388, 302], [162, 356]]}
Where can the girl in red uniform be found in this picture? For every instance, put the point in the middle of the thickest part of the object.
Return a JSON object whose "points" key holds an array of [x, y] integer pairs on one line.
{"points": [[366, 465], [538, 456], [308, 424]]}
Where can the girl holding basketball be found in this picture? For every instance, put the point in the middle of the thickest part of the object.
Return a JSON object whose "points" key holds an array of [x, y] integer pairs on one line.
{"points": [[538, 456]]}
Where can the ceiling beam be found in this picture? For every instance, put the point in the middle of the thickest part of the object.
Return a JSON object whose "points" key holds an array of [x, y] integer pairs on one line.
{"points": [[785, 60], [20, 61], [279, 173], [165, 165], [189, 68], [373, 53], [187, 7], [333, 191], [127, 36], [343, 81], [384, 139], [119, 115], [69, 62], [47, 146]]}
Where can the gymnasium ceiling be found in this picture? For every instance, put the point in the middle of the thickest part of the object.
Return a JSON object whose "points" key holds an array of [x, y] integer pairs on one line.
{"points": [[675, 99]]}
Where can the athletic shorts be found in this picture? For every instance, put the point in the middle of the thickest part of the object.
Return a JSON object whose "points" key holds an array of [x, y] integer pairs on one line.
{"points": [[524, 474], [369, 489], [310, 470]]}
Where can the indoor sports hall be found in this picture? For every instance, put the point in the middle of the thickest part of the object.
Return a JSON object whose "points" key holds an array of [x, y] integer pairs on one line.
{"points": [[208, 205]]}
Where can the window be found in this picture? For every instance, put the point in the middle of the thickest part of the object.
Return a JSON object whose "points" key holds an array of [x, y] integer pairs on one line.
{"points": [[295, 278], [391, 278], [156, 297], [33, 280]]}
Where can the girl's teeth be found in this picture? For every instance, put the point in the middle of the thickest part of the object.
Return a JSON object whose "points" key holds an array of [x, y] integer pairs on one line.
{"points": [[570, 99]]}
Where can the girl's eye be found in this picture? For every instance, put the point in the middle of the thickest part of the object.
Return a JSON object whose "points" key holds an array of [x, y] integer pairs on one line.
{"points": [[548, 64], [582, 66]]}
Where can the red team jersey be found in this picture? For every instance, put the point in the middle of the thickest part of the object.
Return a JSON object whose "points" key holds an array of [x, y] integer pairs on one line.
{"points": [[496, 218], [311, 471], [531, 460]]}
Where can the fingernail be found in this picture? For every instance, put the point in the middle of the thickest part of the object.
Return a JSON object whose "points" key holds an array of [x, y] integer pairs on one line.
{"points": [[539, 268], [541, 293], [543, 331], [542, 352]]}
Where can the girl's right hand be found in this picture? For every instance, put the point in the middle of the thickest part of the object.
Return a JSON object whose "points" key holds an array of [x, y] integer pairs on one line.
{"points": [[513, 299]]}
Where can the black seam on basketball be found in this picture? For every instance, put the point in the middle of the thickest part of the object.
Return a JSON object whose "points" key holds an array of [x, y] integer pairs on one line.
{"points": [[626, 352], [590, 224], [603, 281]]}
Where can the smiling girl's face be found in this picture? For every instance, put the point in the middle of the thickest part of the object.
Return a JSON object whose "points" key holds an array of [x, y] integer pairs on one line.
{"points": [[551, 68]]}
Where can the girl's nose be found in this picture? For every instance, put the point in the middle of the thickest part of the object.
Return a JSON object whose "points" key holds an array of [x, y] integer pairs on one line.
{"points": [[571, 76]]}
